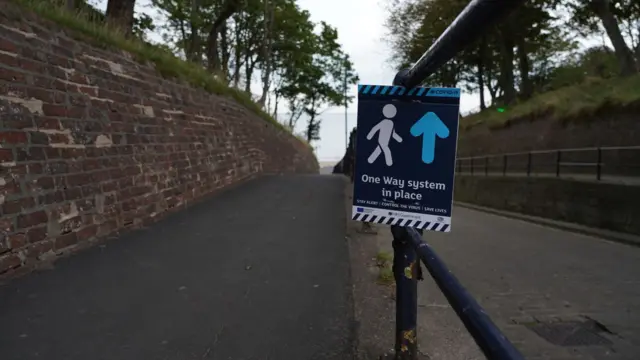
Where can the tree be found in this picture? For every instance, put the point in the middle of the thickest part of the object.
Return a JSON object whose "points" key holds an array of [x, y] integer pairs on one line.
{"points": [[506, 60], [275, 39], [319, 79], [267, 49], [605, 12], [120, 14]]}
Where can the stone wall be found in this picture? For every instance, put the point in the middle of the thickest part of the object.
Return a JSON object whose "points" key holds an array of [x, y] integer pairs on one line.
{"points": [[93, 143], [602, 205]]}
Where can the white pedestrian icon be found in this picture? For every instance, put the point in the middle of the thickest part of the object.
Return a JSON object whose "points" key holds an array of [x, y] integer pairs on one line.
{"points": [[385, 132]]}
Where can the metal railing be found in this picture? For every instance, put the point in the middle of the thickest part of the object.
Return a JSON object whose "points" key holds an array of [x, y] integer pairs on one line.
{"points": [[478, 17], [620, 163]]}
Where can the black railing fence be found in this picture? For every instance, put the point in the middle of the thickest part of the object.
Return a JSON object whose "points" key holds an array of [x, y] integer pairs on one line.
{"points": [[409, 249], [596, 163]]}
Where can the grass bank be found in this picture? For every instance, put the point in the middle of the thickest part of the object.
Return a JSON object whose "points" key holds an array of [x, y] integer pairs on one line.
{"points": [[571, 103], [83, 23]]}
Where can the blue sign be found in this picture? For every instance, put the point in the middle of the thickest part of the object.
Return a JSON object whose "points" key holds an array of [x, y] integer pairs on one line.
{"points": [[405, 156]]}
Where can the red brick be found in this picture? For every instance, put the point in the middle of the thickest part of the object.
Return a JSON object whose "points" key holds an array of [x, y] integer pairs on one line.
{"points": [[58, 84], [33, 66], [51, 198], [64, 241], [32, 219], [17, 241], [36, 250], [87, 232], [4, 246], [76, 112], [12, 75], [18, 170], [30, 154], [78, 78], [8, 60], [9, 261], [37, 234], [71, 153], [52, 153], [10, 187], [46, 95], [78, 179], [91, 91], [13, 137], [6, 225], [46, 182], [59, 139], [47, 123], [55, 110], [17, 206], [6, 155], [72, 194], [8, 46], [35, 169]]}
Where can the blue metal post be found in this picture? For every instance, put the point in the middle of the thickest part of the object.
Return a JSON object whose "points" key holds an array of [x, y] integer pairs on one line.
{"points": [[405, 272], [487, 335]]}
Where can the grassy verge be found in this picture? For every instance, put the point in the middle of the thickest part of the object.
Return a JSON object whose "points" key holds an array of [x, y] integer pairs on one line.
{"points": [[571, 103], [384, 261], [166, 63]]}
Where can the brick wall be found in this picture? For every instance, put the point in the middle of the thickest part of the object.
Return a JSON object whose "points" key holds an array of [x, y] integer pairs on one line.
{"points": [[93, 143], [600, 205]]}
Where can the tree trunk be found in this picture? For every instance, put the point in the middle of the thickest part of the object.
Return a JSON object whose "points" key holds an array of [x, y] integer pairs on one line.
{"points": [[249, 66], [526, 88], [120, 15], [638, 46], [266, 50], [226, 52], [506, 67], [193, 45], [627, 64], [228, 8], [481, 59], [275, 106], [310, 128], [490, 87], [483, 104], [237, 57]]}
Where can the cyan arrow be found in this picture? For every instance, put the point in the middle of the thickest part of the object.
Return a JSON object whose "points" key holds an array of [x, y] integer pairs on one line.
{"points": [[429, 126]]}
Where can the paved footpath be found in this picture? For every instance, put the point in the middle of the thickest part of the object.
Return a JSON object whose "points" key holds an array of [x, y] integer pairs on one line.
{"points": [[525, 274], [258, 272]]}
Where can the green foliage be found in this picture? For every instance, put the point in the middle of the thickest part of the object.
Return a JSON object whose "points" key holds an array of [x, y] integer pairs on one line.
{"points": [[385, 276], [384, 262], [576, 102], [299, 61], [383, 258], [534, 51], [319, 79]]}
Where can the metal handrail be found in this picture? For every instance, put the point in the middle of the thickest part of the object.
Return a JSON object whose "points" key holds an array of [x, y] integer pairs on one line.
{"points": [[477, 18], [613, 167], [489, 338], [602, 148]]}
